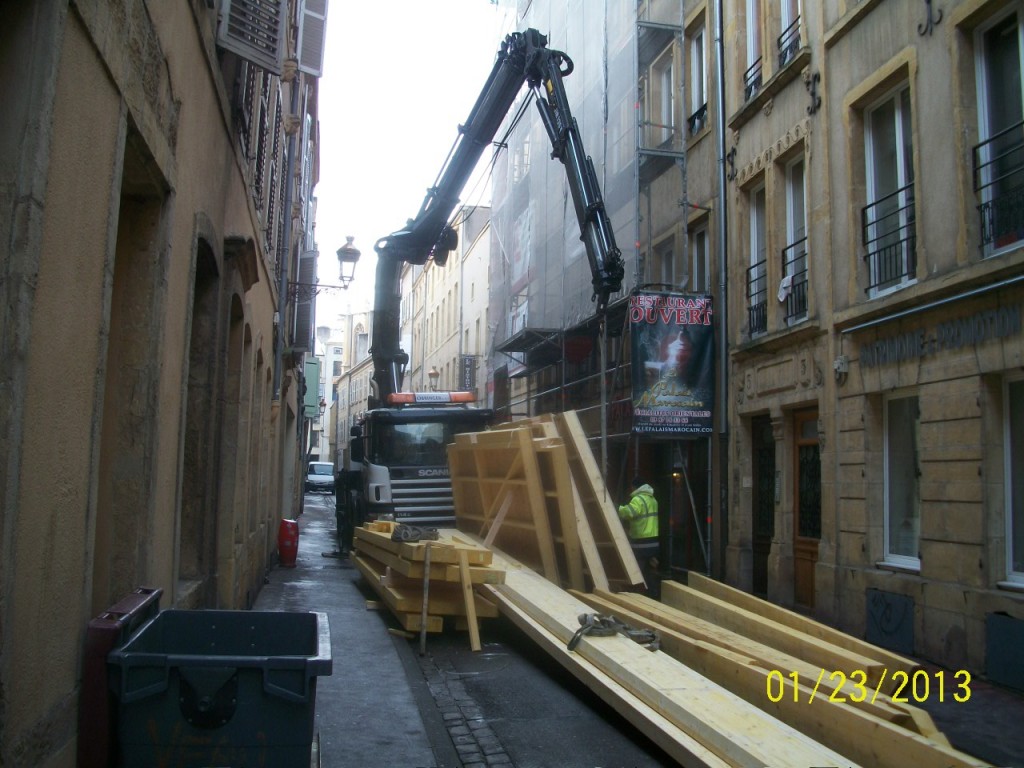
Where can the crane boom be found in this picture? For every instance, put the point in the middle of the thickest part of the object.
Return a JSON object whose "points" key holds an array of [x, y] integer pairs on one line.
{"points": [[523, 58]]}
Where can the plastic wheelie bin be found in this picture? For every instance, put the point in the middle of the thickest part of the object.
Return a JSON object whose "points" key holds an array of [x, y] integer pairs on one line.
{"points": [[219, 688]]}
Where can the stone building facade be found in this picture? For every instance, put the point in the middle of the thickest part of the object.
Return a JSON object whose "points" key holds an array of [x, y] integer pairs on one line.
{"points": [[156, 186]]}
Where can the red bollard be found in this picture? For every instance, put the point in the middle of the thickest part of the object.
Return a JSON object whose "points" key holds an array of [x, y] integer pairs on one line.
{"points": [[288, 542]]}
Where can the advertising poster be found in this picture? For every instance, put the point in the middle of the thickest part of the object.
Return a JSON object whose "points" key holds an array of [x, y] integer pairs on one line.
{"points": [[672, 338]]}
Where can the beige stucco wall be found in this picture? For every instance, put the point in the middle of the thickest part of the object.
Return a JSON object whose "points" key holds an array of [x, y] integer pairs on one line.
{"points": [[120, 173]]}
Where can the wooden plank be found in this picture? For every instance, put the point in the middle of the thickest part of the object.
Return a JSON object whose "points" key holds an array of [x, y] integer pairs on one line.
{"points": [[758, 654], [820, 653], [793, 620], [734, 730], [675, 742], [442, 551], [469, 602], [555, 462], [540, 519], [830, 719], [444, 599], [595, 566], [609, 535], [413, 569]]}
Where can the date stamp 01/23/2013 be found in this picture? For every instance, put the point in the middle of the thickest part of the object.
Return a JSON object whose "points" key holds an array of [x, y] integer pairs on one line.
{"points": [[917, 687]]}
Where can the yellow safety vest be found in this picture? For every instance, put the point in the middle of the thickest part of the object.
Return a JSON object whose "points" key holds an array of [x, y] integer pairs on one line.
{"points": [[641, 513]]}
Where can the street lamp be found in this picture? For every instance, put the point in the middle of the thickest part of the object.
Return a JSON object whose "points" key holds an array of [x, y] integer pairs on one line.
{"points": [[433, 374], [348, 255], [323, 407]]}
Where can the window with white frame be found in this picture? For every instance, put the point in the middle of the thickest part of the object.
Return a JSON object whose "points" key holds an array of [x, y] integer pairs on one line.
{"points": [[999, 157], [754, 76], [789, 37], [666, 268], [793, 291], [902, 481], [888, 219], [660, 101], [757, 272], [698, 81], [700, 280], [1014, 452]]}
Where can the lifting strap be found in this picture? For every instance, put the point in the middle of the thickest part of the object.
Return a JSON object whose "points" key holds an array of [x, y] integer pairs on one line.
{"points": [[595, 625]]}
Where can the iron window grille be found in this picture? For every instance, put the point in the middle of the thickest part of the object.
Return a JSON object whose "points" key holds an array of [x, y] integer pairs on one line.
{"points": [[890, 240], [753, 79], [789, 43], [695, 123], [757, 297], [999, 184], [794, 266]]}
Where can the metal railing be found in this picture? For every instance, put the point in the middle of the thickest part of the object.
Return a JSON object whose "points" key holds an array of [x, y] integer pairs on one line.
{"points": [[753, 78], [794, 267], [695, 123], [789, 43], [890, 240], [999, 183], [757, 297]]}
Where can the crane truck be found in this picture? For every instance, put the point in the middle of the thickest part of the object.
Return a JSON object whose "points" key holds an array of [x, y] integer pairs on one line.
{"points": [[397, 459]]}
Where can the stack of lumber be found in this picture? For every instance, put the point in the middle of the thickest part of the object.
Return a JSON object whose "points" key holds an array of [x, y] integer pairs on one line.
{"points": [[533, 489], [704, 696], [423, 582]]}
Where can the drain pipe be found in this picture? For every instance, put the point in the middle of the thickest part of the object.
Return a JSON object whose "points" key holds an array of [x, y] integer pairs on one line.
{"points": [[722, 310]]}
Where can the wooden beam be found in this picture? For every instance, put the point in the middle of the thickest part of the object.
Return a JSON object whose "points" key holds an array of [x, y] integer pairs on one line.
{"points": [[725, 724], [820, 653], [469, 601], [825, 715], [793, 620]]}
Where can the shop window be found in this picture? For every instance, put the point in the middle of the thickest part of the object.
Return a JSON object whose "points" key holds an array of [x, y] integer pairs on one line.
{"points": [[999, 157], [1015, 480], [793, 289], [757, 272], [888, 219], [902, 482]]}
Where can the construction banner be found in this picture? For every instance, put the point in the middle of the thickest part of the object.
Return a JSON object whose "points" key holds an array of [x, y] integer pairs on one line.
{"points": [[672, 342]]}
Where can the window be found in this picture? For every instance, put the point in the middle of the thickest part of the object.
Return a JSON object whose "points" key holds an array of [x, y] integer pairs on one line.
{"points": [[793, 290], [665, 267], [362, 344], [999, 158], [789, 40], [699, 272], [660, 102], [753, 77], [698, 82], [757, 273], [1015, 480], [888, 219], [902, 492]]}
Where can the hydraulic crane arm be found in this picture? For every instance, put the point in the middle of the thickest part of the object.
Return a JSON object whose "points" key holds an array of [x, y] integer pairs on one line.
{"points": [[524, 58]]}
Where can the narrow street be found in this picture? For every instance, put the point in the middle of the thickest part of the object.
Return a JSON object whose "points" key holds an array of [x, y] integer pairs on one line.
{"points": [[387, 705]]}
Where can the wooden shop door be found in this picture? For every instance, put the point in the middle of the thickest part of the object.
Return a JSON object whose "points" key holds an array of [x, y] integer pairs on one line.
{"points": [[806, 506]]}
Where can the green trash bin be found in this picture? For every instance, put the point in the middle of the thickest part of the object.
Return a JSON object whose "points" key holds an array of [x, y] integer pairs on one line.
{"points": [[205, 688]]}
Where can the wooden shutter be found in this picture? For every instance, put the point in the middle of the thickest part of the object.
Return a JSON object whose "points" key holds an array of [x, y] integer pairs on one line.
{"points": [[255, 30], [312, 34]]}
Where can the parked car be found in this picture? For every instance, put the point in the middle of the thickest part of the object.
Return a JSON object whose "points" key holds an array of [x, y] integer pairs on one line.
{"points": [[320, 477]]}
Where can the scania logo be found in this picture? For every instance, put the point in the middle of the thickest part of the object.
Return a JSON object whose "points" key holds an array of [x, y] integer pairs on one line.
{"points": [[433, 473]]}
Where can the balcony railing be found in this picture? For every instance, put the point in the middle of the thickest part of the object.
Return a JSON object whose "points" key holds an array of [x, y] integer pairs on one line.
{"points": [[789, 43], [890, 240], [757, 297], [753, 78], [794, 267], [999, 183], [695, 123]]}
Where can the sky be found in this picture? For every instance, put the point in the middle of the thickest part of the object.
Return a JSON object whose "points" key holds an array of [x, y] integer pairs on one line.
{"points": [[399, 77]]}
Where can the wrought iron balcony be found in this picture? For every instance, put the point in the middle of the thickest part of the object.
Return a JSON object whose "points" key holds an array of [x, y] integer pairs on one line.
{"points": [[757, 298], [794, 267], [999, 183], [890, 240], [789, 43], [695, 123], [753, 79]]}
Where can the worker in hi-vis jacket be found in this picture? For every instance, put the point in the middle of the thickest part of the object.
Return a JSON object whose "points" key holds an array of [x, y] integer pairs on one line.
{"points": [[640, 516]]}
